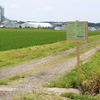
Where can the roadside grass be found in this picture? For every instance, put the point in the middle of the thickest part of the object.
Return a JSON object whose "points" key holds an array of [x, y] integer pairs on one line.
{"points": [[46, 96], [13, 78], [38, 96], [39, 68], [13, 57]]}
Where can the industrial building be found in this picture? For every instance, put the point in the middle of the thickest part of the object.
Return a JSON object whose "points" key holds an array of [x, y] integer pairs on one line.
{"points": [[1, 15], [4, 22]]}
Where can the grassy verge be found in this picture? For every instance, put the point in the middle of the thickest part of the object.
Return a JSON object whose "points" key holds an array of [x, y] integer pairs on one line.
{"points": [[9, 79], [38, 96], [73, 96], [12, 57]]}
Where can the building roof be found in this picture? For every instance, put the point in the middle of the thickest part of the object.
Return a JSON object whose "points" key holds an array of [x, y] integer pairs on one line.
{"points": [[39, 24]]}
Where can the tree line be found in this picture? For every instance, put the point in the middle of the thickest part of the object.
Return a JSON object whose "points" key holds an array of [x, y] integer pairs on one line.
{"points": [[94, 24]]}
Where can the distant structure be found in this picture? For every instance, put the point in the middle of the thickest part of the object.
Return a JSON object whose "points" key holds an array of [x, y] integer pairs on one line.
{"points": [[7, 23], [1, 15], [4, 22]]}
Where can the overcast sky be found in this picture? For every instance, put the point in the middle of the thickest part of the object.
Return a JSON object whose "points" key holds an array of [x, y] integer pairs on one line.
{"points": [[52, 10]]}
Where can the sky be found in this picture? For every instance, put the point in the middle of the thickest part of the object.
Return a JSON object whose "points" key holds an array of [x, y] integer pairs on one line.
{"points": [[52, 10]]}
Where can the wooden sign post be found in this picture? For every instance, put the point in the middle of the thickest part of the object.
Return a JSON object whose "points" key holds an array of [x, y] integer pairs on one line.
{"points": [[77, 31], [78, 60]]}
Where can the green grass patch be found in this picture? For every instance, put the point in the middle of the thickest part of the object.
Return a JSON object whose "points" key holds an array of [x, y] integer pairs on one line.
{"points": [[9, 79], [38, 96], [78, 97]]}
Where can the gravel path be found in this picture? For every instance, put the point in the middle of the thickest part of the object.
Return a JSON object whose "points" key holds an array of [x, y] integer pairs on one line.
{"points": [[33, 82]]}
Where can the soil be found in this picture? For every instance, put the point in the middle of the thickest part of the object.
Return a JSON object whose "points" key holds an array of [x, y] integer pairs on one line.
{"points": [[34, 82]]}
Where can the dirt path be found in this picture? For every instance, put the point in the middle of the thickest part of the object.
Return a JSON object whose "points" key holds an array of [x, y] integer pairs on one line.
{"points": [[33, 82], [32, 64]]}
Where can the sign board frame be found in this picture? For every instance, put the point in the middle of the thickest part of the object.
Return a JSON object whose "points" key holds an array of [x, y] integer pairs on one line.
{"points": [[77, 27]]}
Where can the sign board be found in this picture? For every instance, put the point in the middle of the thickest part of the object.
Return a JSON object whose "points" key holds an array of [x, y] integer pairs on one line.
{"points": [[77, 31]]}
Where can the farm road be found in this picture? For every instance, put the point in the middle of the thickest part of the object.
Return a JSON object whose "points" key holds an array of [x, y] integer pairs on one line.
{"points": [[32, 64], [33, 82]]}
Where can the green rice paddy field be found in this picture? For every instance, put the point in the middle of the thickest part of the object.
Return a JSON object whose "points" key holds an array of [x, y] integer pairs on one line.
{"points": [[22, 38]]}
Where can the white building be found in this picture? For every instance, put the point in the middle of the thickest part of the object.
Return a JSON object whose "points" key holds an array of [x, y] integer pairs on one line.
{"points": [[63, 27], [91, 28], [36, 25], [10, 24]]}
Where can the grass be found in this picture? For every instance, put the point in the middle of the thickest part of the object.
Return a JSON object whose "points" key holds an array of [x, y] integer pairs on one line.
{"points": [[9, 79], [80, 97], [38, 96], [46, 96]]}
